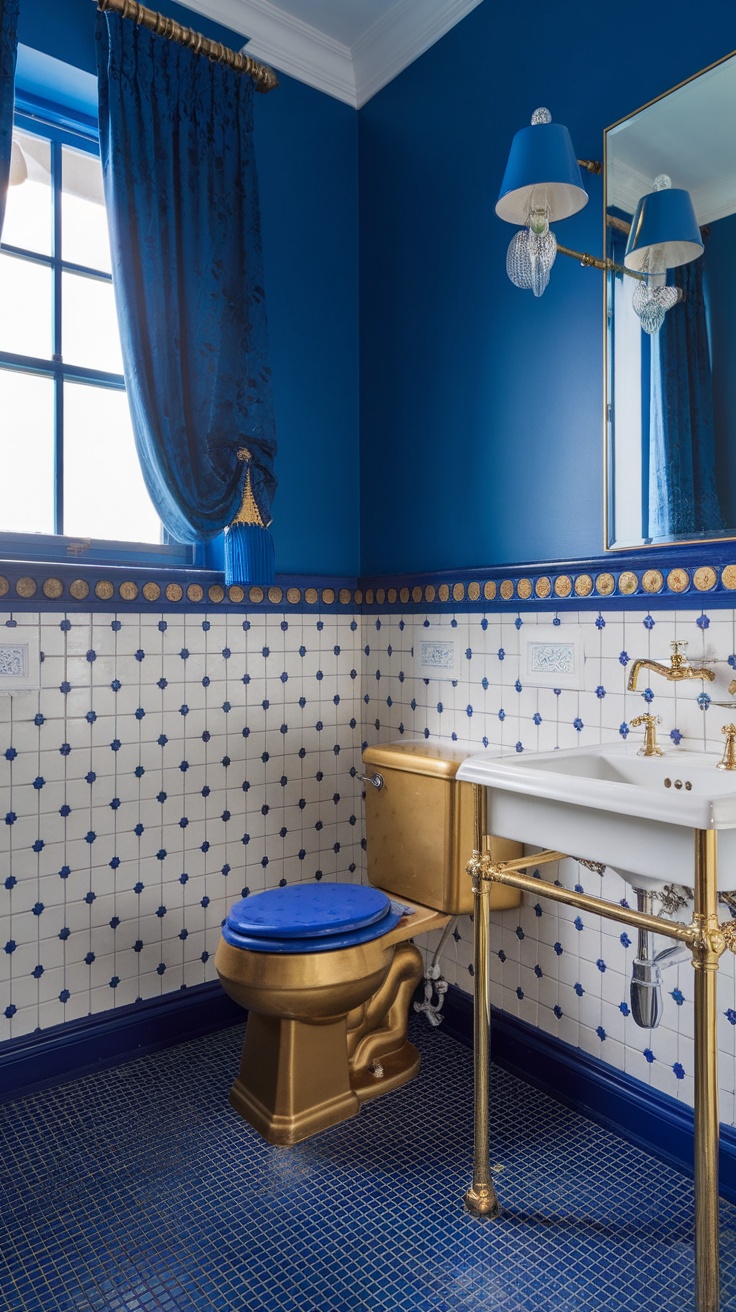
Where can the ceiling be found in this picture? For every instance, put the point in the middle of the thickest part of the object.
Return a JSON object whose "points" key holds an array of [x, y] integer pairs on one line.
{"points": [[347, 48], [687, 134]]}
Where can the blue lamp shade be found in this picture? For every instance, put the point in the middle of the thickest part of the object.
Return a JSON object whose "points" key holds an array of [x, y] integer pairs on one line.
{"points": [[664, 219], [542, 173]]}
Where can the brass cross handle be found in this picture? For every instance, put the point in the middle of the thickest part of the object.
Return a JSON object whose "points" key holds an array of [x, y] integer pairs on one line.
{"points": [[728, 760], [650, 723]]}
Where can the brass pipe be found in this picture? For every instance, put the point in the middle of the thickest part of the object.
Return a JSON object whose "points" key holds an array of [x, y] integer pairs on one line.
{"points": [[264, 77], [506, 872], [706, 953], [593, 262]]}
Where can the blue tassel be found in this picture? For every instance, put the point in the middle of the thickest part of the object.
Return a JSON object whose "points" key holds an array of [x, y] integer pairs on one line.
{"points": [[249, 555]]}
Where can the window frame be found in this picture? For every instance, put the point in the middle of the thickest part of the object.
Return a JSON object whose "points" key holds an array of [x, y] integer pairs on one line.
{"points": [[64, 128]]}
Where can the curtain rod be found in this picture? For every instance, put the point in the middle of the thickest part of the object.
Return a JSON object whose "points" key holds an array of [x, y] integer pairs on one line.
{"points": [[264, 77]]}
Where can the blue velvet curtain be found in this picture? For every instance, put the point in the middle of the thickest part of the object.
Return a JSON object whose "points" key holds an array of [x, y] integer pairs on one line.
{"points": [[176, 136], [8, 53], [683, 495]]}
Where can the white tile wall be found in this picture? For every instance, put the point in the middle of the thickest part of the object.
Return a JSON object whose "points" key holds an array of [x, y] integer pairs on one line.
{"points": [[564, 972], [170, 761], [167, 763]]}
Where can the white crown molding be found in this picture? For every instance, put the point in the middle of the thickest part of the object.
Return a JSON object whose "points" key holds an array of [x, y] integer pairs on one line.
{"points": [[399, 37], [287, 44], [354, 74]]}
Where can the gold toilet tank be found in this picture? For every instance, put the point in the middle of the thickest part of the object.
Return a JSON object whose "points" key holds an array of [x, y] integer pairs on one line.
{"points": [[420, 828]]}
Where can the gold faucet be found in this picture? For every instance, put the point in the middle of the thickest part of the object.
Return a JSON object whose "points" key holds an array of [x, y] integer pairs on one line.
{"points": [[650, 723], [678, 668], [728, 762]]}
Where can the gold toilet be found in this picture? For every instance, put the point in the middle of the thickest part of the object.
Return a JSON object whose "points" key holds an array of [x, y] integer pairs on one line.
{"points": [[327, 1028]]}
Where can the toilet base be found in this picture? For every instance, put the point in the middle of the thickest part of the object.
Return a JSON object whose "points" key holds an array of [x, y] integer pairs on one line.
{"points": [[398, 1068], [293, 1079]]}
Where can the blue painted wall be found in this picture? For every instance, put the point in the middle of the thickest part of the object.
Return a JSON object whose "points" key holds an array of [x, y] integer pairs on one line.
{"points": [[306, 148], [481, 424]]}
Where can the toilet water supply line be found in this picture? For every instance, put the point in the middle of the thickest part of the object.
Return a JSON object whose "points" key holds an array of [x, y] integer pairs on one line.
{"points": [[435, 983]]}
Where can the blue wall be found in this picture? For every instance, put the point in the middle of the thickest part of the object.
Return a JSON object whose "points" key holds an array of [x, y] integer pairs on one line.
{"points": [[481, 423], [306, 147]]}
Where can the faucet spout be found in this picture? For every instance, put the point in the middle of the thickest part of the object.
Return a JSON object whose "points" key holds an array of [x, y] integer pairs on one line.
{"points": [[678, 669], [656, 666]]}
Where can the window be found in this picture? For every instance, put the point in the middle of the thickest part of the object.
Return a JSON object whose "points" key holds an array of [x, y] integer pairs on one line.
{"points": [[67, 454]]}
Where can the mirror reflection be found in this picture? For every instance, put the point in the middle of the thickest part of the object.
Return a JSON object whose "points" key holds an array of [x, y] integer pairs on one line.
{"points": [[671, 336]]}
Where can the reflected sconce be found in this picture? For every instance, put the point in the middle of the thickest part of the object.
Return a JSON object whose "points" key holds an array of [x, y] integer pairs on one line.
{"points": [[543, 184], [664, 234]]}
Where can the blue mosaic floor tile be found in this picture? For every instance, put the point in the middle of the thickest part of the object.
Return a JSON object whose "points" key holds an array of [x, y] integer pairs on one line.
{"points": [[140, 1190]]}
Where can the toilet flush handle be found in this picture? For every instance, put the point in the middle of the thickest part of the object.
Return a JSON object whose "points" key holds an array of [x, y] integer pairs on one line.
{"points": [[375, 779]]}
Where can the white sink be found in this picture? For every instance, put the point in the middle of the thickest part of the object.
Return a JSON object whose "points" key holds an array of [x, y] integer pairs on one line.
{"points": [[611, 805]]}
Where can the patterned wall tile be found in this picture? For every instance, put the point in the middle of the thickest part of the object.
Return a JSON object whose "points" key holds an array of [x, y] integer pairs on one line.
{"points": [[566, 972], [165, 765]]}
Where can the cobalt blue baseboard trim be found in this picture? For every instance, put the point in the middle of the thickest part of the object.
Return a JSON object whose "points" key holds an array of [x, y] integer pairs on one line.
{"points": [[642, 1115], [64, 1052]]}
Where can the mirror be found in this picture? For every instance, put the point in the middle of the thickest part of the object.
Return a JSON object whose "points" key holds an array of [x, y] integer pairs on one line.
{"points": [[670, 396]]}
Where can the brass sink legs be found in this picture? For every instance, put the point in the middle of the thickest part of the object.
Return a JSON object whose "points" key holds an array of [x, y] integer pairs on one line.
{"points": [[706, 951], [706, 939], [481, 1197]]}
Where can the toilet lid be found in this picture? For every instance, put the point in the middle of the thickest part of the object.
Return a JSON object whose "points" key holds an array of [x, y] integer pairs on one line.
{"points": [[306, 911], [325, 943], [311, 918]]}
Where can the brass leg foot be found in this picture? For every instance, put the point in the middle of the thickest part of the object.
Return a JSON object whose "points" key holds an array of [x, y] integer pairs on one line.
{"points": [[481, 1200]]}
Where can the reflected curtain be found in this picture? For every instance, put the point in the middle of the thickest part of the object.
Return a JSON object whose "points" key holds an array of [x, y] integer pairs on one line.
{"points": [[8, 55], [176, 138], [683, 496]]}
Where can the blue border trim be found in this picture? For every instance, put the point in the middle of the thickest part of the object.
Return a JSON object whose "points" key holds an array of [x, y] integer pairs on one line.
{"points": [[30, 586], [639, 581], [643, 1116], [64, 1052]]}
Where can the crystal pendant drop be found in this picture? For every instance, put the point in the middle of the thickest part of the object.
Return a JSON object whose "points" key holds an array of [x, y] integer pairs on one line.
{"points": [[518, 261], [652, 303], [529, 260]]}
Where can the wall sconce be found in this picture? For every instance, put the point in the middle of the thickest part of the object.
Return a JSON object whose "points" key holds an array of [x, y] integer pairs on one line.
{"points": [[664, 234], [543, 184]]}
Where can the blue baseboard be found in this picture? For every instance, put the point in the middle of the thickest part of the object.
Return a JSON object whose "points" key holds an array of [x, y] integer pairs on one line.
{"points": [[64, 1052], [643, 1116]]}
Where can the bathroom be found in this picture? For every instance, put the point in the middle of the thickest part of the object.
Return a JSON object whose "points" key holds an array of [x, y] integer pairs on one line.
{"points": [[439, 468]]}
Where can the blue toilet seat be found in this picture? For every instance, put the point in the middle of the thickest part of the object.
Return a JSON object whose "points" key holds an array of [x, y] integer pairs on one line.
{"points": [[310, 918]]}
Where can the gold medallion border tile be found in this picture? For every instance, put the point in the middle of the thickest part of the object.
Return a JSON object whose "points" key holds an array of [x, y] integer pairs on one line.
{"points": [[569, 587]]}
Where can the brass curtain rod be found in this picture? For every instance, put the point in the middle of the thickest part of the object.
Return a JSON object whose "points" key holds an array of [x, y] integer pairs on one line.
{"points": [[264, 77]]}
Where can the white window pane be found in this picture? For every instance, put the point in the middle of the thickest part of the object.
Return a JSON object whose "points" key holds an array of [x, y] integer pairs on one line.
{"points": [[90, 334], [104, 493], [28, 217], [25, 307], [84, 237], [26, 453]]}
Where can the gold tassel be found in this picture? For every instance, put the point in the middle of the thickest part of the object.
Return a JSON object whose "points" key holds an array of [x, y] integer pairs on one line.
{"points": [[249, 512]]}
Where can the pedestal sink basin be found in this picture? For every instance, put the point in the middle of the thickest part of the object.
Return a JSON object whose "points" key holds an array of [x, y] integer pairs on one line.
{"points": [[608, 804]]}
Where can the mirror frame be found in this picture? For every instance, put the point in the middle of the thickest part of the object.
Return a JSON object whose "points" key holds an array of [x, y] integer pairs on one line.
{"points": [[608, 508]]}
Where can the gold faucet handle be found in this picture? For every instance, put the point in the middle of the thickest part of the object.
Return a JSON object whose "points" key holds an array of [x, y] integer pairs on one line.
{"points": [[728, 760], [650, 722], [678, 654]]}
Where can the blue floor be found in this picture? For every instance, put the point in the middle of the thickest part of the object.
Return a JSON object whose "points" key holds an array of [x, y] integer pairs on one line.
{"points": [[140, 1190]]}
